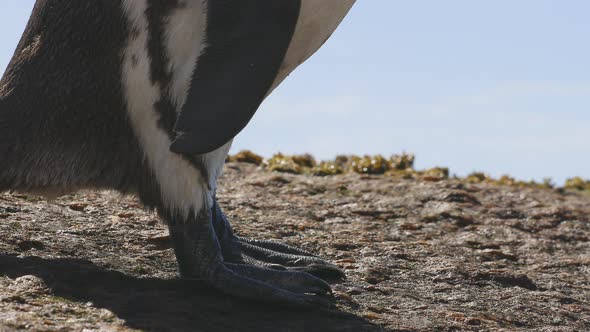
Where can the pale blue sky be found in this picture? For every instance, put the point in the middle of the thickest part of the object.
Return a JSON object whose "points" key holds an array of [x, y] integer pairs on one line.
{"points": [[497, 86]]}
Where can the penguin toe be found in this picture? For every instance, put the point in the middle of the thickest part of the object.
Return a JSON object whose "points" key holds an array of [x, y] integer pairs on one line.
{"points": [[289, 288], [275, 246], [328, 272], [256, 255]]}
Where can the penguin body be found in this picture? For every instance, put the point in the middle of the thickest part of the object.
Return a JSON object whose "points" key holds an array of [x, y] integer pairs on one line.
{"points": [[145, 97], [63, 119]]}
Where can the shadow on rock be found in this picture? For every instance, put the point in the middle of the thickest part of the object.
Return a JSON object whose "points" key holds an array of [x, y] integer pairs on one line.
{"points": [[163, 305]]}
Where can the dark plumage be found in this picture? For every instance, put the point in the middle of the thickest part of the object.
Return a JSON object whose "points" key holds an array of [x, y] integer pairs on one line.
{"points": [[145, 97]]}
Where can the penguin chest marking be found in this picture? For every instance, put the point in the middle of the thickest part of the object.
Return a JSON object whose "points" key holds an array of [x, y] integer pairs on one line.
{"points": [[173, 54]]}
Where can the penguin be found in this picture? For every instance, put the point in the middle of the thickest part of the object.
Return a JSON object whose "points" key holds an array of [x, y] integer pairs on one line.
{"points": [[145, 97]]}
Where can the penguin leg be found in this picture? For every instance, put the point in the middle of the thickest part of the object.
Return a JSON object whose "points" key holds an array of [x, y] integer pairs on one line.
{"points": [[268, 254], [200, 257]]}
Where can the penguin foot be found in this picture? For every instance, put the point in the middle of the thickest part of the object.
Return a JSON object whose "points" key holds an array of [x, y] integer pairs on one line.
{"points": [[276, 246], [267, 285], [257, 252], [200, 257], [269, 254]]}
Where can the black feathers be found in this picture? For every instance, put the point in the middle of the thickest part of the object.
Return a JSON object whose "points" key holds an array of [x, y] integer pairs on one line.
{"points": [[63, 113], [246, 44]]}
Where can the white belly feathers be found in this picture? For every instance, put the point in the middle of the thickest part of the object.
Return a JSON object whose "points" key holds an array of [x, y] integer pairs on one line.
{"points": [[182, 186]]}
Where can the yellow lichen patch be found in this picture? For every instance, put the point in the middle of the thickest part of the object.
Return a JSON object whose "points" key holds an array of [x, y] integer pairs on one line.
{"points": [[369, 164], [353, 164], [402, 161], [408, 173], [246, 156], [342, 161], [327, 168], [477, 177], [578, 184], [284, 164], [298, 164], [436, 174], [397, 166], [401, 165], [305, 160], [506, 180]]}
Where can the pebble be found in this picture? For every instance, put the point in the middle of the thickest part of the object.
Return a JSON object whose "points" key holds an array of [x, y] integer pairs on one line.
{"points": [[30, 284], [78, 206]]}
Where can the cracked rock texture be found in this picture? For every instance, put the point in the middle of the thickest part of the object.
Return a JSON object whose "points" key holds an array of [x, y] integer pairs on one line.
{"points": [[419, 256]]}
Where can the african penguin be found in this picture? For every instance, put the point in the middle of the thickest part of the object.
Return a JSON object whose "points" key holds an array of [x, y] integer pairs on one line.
{"points": [[145, 97]]}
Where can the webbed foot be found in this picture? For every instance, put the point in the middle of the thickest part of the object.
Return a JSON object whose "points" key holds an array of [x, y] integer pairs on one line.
{"points": [[202, 256], [269, 254]]}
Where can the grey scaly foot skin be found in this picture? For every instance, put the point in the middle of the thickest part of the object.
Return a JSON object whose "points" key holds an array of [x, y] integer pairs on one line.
{"points": [[269, 254], [201, 257], [310, 264], [280, 247]]}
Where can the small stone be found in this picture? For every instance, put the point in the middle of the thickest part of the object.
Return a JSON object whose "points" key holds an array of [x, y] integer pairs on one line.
{"points": [[78, 206], [346, 298], [473, 321], [378, 310], [375, 276], [346, 260], [106, 314], [410, 227], [456, 316], [372, 315], [160, 242], [495, 254], [355, 290], [126, 215], [30, 284]]}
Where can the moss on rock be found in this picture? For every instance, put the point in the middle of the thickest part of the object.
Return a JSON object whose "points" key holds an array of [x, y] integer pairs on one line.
{"points": [[397, 166]]}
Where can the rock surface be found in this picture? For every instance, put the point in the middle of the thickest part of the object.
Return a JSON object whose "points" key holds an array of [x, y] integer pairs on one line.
{"points": [[419, 255]]}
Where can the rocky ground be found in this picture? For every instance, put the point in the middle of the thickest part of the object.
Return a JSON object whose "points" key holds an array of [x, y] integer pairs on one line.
{"points": [[420, 255]]}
